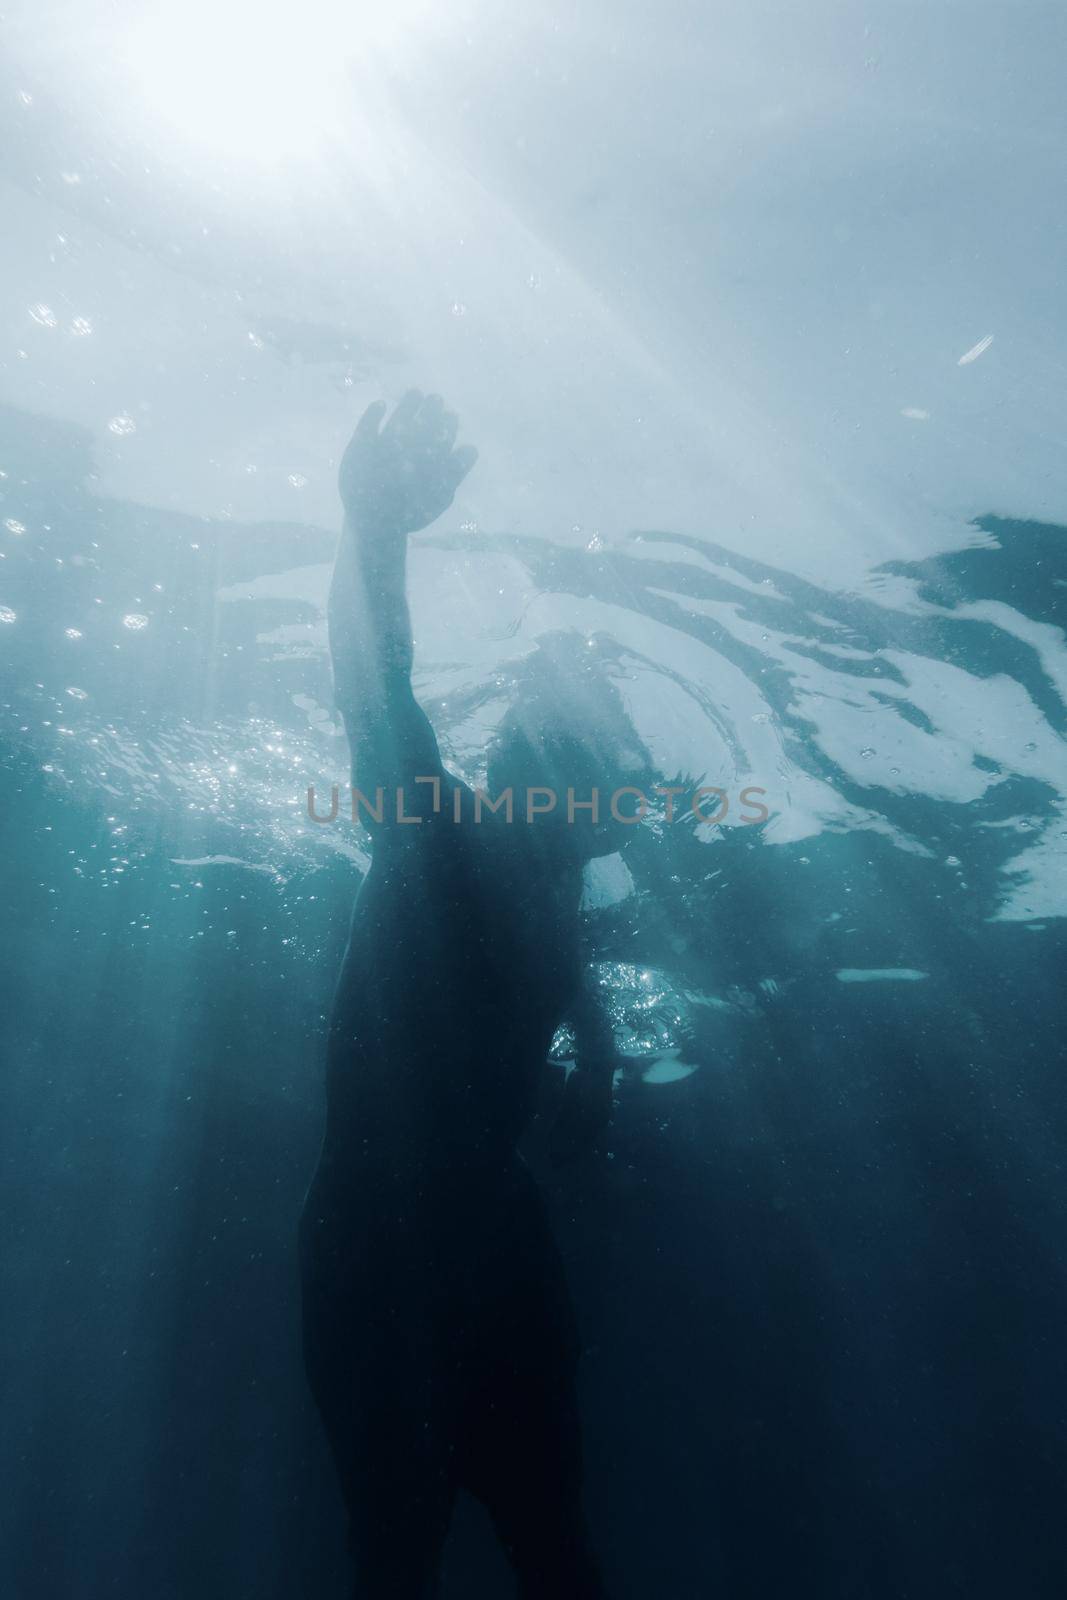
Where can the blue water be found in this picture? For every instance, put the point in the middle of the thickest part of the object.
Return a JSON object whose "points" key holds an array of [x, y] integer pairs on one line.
{"points": [[749, 453]]}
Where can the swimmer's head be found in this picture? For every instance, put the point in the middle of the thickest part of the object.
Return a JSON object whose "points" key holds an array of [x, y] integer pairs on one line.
{"points": [[565, 749]]}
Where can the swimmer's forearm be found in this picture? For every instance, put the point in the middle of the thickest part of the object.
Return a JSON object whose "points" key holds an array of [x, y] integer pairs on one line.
{"points": [[379, 549], [370, 626], [372, 650]]}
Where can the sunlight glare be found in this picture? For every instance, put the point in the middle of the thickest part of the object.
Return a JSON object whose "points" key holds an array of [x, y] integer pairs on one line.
{"points": [[256, 82]]}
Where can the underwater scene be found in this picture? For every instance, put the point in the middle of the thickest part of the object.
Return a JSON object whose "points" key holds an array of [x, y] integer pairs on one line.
{"points": [[658, 1196]]}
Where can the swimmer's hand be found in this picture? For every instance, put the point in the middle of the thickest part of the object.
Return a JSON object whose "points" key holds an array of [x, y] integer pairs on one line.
{"points": [[399, 477], [583, 1117]]}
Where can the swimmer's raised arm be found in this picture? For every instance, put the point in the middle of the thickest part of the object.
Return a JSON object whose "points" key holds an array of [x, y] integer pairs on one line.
{"points": [[395, 479]]}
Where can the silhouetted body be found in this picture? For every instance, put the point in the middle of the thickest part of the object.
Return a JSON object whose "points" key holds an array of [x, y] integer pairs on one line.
{"points": [[439, 1337]]}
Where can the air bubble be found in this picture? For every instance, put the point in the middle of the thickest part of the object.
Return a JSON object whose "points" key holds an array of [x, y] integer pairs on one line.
{"points": [[122, 425], [135, 621]]}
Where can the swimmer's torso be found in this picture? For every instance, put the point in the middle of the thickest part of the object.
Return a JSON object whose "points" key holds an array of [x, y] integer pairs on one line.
{"points": [[462, 960]]}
